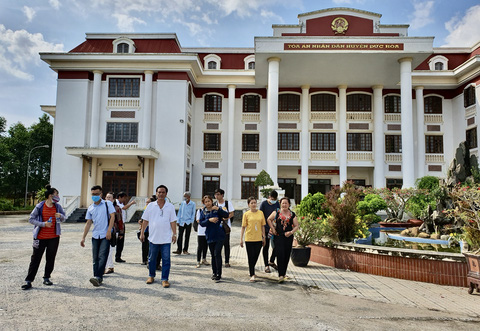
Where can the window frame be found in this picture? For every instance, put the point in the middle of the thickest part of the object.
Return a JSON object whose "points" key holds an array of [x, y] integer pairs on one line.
{"points": [[323, 105], [328, 146], [433, 104], [248, 188], [213, 106], [393, 143], [391, 183], [292, 105], [210, 179], [288, 139], [246, 106], [469, 98], [435, 146], [471, 133], [134, 86], [246, 144], [357, 104], [397, 104], [216, 146], [131, 138], [212, 58], [354, 142]]}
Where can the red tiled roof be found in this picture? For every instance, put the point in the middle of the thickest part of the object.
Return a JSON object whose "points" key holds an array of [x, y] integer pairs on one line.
{"points": [[142, 46], [229, 60]]}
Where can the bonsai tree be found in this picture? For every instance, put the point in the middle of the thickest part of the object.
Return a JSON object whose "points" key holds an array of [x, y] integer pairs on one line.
{"points": [[396, 200], [311, 219], [368, 208], [313, 205], [308, 230], [263, 179], [418, 205]]}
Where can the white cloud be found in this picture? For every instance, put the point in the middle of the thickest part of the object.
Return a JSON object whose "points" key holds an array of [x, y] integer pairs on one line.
{"points": [[19, 49], [422, 15], [29, 13], [463, 31], [125, 22], [55, 4]]}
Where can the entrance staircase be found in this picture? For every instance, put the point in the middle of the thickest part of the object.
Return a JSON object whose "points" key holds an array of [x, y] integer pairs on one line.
{"points": [[78, 215]]}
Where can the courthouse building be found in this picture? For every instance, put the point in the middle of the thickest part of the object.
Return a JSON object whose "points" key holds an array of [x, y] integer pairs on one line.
{"points": [[338, 96]]}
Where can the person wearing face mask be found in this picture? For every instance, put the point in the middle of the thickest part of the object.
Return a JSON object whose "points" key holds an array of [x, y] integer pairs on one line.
{"points": [[186, 216], [46, 217], [268, 207], [102, 214]]}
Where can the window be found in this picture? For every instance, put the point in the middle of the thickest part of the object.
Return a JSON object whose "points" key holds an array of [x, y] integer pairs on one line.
{"points": [[393, 104], [210, 184], [289, 102], [434, 144], [393, 144], [122, 132], [433, 105], [187, 182], [472, 138], [122, 48], [323, 102], [123, 87], [190, 92], [360, 142], [212, 65], [251, 65], [248, 187], [288, 141], [438, 66], [251, 104], [469, 96], [211, 142], [189, 135], [359, 102], [250, 142], [323, 142], [213, 103], [358, 182], [394, 182]]}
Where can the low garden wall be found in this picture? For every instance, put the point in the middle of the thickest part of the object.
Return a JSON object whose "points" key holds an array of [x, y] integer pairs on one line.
{"points": [[423, 266]]}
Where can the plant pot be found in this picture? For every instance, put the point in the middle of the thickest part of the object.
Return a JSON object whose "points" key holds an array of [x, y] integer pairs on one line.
{"points": [[300, 256], [415, 222], [473, 276]]}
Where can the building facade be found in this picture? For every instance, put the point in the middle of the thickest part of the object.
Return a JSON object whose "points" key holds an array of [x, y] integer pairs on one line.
{"points": [[338, 96]]}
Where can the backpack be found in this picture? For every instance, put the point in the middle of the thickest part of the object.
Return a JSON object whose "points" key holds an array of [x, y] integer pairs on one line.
{"points": [[225, 226]]}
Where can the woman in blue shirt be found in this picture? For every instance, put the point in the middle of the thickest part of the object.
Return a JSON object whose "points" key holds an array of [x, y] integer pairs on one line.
{"points": [[211, 218]]}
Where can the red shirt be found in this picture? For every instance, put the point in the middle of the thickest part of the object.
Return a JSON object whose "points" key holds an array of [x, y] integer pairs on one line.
{"points": [[48, 233]]}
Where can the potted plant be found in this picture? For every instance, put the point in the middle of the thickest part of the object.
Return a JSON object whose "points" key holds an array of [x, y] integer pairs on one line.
{"points": [[263, 180], [466, 210], [396, 200]]}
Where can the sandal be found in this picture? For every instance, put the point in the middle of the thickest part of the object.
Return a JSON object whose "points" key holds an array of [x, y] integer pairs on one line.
{"points": [[273, 265], [253, 279], [267, 270]]}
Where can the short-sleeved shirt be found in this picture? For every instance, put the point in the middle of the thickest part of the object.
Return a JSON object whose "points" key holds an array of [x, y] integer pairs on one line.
{"points": [[228, 209], [159, 219], [124, 212], [98, 214], [267, 208], [253, 223]]}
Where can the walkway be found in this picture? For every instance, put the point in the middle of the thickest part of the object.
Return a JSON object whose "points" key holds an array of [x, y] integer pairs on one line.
{"points": [[377, 288]]}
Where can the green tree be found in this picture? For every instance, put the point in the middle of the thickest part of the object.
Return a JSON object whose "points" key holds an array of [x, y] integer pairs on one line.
{"points": [[264, 179]]}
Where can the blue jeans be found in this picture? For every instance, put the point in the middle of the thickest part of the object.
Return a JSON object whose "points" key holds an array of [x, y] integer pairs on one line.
{"points": [[216, 252], [100, 250], [164, 250]]}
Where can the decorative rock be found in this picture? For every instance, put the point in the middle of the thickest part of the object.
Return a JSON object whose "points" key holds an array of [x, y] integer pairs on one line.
{"points": [[435, 236], [423, 235], [414, 231], [405, 233], [444, 237]]}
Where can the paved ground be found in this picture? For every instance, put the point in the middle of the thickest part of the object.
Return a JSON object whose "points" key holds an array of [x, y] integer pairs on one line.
{"points": [[314, 298]]}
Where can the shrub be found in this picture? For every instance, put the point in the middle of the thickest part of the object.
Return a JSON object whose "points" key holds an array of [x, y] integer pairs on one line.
{"points": [[312, 205], [6, 204], [264, 179], [368, 208]]}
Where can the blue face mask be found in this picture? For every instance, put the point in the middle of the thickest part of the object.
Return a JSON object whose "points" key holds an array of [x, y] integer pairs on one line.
{"points": [[95, 198], [272, 201], [56, 199]]}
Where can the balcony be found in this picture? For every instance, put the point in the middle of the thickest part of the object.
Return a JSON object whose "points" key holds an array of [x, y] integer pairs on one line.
{"points": [[289, 116], [323, 116], [123, 103], [121, 146], [434, 158], [250, 156], [212, 155], [393, 157], [212, 117], [359, 156], [433, 118], [288, 155], [470, 111], [359, 116], [393, 118], [251, 117], [323, 156]]}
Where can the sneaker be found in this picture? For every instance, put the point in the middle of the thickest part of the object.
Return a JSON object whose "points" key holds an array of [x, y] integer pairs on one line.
{"points": [[150, 280], [186, 253], [109, 271], [198, 265], [95, 281], [119, 260], [214, 276], [253, 279], [281, 279], [217, 279], [227, 265], [165, 283], [204, 262], [27, 285], [46, 281], [177, 252]]}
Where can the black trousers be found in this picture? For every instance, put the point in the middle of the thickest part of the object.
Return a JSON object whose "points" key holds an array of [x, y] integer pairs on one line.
{"points": [[120, 244], [265, 252], [283, 247], [253, 251], [226, 244], [216, 252], [146, 248], [181, 229], [51, 246], [202, 248]]}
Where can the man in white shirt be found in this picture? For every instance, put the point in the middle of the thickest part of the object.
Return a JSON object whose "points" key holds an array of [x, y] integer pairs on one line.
{"points": [[122, 202], [161, 220], [228, 207]]}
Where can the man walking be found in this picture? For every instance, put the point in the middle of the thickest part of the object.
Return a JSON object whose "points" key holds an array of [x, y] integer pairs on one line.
{"points": [[268, 207], [160, 218], [122, 202], [186, 216], [102, 214], [228, 207]]}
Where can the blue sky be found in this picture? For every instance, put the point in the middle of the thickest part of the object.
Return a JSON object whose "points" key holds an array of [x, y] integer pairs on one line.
{"points": [[28, 27]]}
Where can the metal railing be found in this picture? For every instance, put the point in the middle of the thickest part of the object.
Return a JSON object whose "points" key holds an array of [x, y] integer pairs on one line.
{"points": [[70, 204]]}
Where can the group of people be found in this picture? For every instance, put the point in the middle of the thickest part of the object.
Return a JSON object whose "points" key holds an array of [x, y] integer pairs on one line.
{"points": [[272, 224]]}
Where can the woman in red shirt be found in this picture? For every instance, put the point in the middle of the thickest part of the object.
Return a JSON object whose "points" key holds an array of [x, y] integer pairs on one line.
{"points": [[46, 216]]}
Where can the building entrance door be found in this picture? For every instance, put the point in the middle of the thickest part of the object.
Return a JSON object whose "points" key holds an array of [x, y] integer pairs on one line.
{"points": [[120, 181], [291, 188], [319, 185]]}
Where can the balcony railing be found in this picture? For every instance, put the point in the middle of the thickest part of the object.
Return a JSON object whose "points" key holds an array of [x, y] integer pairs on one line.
{"points": [[393, 157], [323, 116], [124, 103], [121, 145], [288, 155], [250, 117], [363, 116], [212, 155], [323, 156], [470, 111], [212, 117], [433, 118], [250, 156], [289, 116], [359, 156], [393, 118], [434, 158]]}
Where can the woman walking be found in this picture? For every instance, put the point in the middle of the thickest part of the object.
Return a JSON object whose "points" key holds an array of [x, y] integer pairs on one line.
{"points": [[253, 226], [202, 246], [283, 225], [46, 216], [211, 218], [117, 229]]}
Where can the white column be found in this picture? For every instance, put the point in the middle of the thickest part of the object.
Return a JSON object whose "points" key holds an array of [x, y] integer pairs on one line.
{"points": [[378, 137], [305, 139], [420, 132], [231, 135], [342, 132], [408, 148], [96, 96], [272, 115], [147, 110], [144, 179]]}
